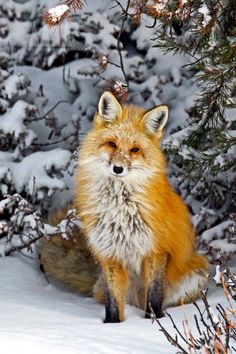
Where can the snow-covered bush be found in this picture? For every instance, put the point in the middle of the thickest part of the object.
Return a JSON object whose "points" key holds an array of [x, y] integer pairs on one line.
{"points": [[30, 165], [26, 226]]}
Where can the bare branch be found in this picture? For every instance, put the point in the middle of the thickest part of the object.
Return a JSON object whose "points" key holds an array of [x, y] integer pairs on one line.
{"points": [[48, 112], [119, 44], [179, 333], [169, 337]]}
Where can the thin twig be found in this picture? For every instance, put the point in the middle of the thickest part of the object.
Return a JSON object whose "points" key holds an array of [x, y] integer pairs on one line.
{"points": [[25, 245], [57, 141], [114, 64], [49, 111], [178, 331], [120, 5], [153, 25], [119, 46], [170, 338]]}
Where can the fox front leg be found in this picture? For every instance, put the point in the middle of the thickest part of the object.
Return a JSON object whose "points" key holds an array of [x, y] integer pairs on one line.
{"points": [[116, 280], [154, 277]]}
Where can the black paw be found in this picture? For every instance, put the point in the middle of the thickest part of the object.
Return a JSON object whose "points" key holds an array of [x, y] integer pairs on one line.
{"points": [[157, 314], [111, 320]]}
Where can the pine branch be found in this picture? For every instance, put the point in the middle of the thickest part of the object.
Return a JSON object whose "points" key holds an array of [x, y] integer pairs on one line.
{"points": [[56, 15]]}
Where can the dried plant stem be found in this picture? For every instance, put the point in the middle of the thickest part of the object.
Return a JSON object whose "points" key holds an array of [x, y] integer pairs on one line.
{"points": [[170, 338], [180, 334]]}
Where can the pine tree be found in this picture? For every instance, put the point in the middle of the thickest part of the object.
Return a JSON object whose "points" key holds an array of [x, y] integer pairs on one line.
{"points": [[205, 152]]}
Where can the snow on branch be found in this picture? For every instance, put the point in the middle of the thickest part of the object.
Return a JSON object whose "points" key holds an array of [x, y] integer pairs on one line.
{"points": [[57, 14], [26, 226]]}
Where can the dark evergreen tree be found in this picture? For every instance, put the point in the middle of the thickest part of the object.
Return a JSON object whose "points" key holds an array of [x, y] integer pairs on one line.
{"points": [[204, 152]]}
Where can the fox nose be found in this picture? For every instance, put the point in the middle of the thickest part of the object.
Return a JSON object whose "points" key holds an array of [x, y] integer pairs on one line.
{"points": [[118, 170]]}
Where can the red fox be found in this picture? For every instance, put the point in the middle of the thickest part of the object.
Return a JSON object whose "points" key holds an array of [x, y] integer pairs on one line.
{"points": [[134, 225]]}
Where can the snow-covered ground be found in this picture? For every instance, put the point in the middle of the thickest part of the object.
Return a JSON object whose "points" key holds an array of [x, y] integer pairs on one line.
{"points": [[41, 318]]}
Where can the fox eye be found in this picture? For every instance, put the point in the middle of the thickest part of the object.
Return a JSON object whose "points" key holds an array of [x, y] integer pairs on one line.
{"points": [[134, 149], [112, 144]]}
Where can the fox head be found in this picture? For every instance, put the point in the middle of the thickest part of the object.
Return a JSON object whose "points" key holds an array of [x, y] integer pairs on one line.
{"points": [[124, 142]]}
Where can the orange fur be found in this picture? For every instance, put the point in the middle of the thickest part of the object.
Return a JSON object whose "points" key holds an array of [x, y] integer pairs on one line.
{"points": [[134, 225], [161, 209]]}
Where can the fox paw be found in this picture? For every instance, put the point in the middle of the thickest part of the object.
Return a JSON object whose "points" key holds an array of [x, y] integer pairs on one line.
{"points": [[111, 320], [157, 314]]}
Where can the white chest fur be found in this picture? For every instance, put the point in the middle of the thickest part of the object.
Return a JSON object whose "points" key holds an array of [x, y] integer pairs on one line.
{"points": [[120, 233]]}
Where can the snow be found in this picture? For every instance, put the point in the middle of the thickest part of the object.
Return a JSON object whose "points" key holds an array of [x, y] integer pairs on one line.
{"points": [[19, 8], [217, 230], [13, 84], [205, 12], [217, 276], [18, 32], [223, 246], [219, 160], [53, 87], [37, 167], [12, 122], [160, 5], [41, 318], [58, 11], [36, 172]]}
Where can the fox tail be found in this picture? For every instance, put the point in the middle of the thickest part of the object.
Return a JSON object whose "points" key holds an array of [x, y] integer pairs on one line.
{"points": [[69, 262]]}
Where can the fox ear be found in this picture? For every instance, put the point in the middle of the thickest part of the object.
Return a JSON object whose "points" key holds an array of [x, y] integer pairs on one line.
{"points": [[108, 107], [155, 119]]}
